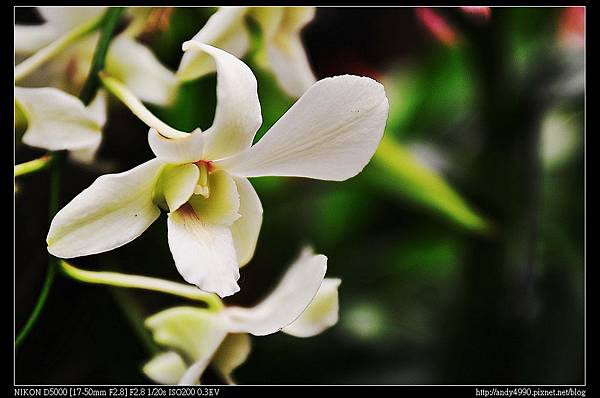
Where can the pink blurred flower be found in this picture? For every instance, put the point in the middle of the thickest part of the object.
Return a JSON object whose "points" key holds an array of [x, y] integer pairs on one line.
{"points": [[437, 25], [441, 29], [481, 12], [571, 32]]}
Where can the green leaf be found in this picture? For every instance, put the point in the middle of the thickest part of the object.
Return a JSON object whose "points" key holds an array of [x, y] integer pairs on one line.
{"points": [[397, 170]]}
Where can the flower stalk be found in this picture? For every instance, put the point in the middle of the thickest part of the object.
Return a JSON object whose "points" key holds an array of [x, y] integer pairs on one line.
{"points": [[111, 20], [33, 166], [141, 282]]}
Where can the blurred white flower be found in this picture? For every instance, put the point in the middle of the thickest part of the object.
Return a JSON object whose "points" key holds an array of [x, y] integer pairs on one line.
{"points": [[58, 21], [282, 49], [57, 121], [303, 305], [215, 215], [561, 137], [128, 60]]}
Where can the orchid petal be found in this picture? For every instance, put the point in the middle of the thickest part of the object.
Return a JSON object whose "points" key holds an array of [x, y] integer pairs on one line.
{"points": [[330, 133], [297, 18], [232, 353], [193, 373], [322, 313], [98, 107], [138, 20], [30, 38], [204, 254], [114, 210], [136, 106], [57, 120], [186, 149], [69, 69], [64, 19], [176, 184], [136, 66], [237, 117], [269, 19], [85, 155], [195, 332], [54, 48], [285, 51], [224, 29], [286, 303], [97, 110], [290, 64], [245, 230], [165, 368]]}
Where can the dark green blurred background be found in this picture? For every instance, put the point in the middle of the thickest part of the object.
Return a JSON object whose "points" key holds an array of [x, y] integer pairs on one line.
{"points": [[429, 294]]}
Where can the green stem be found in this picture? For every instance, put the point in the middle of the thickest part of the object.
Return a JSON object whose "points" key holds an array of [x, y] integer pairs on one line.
{"points": [[33, 165], [141, 282], [108, 24], [424, 186], [45, 54], [52, 210], [39, 305]]}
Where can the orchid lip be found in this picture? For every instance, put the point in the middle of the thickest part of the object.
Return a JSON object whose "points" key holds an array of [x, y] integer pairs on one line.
{"points": [[188, 210]]}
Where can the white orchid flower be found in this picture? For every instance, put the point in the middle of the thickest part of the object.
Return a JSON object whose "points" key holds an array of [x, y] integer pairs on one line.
{"points": [[128, 60], [282, 51], [215, 215], [59, 121], [303, 305], [58, 21]]}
